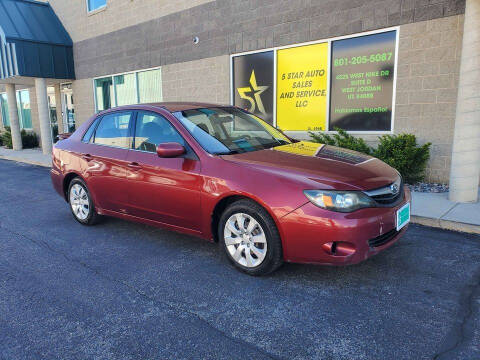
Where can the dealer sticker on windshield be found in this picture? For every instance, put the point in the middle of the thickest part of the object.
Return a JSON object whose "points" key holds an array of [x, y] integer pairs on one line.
{"points": [[403, 216]]}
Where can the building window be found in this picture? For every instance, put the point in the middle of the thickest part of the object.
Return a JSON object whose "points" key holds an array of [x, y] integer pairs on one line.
{"points": [[125, 89], [103, 93], [345, 83], [129, 88], [24, 111], [23, 107], [93, 5], [4, 110], [68, 107], [150, 86]]}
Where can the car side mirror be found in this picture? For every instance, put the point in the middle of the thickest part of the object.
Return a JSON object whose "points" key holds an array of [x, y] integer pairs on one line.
{"points": [[169, 150]]}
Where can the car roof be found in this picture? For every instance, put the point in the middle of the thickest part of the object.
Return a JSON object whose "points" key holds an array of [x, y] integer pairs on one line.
{"points": [[169, 106], [181, 106]]}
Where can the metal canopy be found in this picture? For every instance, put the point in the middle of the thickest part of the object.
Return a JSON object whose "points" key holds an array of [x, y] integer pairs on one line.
{"points": [[33, 42]]}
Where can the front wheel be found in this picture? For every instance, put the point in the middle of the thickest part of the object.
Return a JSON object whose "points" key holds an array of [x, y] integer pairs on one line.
{"points": [[250, 238], [81, 203]]}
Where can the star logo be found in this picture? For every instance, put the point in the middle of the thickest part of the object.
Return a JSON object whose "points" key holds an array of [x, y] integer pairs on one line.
{"points": [[255, 90]]}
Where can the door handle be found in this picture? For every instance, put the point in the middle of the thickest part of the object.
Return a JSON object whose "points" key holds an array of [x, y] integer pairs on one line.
{"points": [[134, 166], [87, 157]]}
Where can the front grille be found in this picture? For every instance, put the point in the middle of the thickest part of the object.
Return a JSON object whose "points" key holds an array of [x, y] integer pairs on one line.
{"points": [[388, 199], [382, 239], [384, 197]]}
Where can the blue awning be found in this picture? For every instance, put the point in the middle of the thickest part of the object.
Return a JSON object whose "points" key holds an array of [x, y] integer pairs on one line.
{"points": [[33, 41]]}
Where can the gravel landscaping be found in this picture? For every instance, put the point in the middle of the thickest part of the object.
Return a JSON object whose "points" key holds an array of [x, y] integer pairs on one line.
{"points": [[428, 187]]}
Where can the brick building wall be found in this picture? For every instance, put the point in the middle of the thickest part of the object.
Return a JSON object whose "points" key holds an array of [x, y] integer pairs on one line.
{"points": [[34, 112], [428, 68], [117, 15], [84, 100], [229, 26], [199, 80]]}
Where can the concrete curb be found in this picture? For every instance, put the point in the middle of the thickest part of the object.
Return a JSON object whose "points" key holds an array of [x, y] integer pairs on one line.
{"points": [[31, 162], [446, 224]]}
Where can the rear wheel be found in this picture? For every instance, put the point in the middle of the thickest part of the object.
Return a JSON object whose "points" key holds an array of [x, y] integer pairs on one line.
{"points": [[81, 203], [250, 238]]}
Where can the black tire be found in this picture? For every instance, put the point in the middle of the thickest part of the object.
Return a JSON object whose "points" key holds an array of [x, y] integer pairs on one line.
{"points": [[274, 253], [92, 217]]}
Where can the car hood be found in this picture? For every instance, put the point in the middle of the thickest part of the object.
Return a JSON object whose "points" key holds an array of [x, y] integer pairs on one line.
{"points": [[319, 165]]}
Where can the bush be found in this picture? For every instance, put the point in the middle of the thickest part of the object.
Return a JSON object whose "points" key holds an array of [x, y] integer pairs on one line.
{"points": [[342, 139], [399, 151], [7, 138], [29, 139], [403, 153]]}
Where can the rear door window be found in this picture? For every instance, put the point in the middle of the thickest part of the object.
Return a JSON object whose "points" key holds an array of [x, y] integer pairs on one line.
{"points": [[114, 130]]}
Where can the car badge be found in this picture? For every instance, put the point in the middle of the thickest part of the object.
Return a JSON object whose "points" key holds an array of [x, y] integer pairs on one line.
{"points": [[394, 189]]}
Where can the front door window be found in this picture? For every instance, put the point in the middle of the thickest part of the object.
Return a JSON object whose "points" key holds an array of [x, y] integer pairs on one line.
{"points": [[151, 130]]}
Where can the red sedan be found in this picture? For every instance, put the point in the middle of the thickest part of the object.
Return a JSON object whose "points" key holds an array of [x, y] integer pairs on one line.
{"points": [[225, 175]]}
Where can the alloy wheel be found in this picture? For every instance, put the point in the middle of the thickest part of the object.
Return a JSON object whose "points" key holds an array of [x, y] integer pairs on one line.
{"points": [[79, 201], [245, 240]]}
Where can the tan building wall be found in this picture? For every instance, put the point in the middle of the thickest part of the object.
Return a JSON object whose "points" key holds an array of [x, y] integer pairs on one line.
{"points": [[34, 113], [200, 80], [428, 68], [83, 99], [118, 14]]}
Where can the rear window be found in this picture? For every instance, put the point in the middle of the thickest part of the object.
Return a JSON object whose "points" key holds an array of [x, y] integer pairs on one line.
{"points": [[88, 135]]}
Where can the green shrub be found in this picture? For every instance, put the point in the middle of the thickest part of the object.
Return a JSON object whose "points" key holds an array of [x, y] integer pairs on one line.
{"points": [[29, 139], [404, 154], [7, 138], [399, 151], [342, 139]]}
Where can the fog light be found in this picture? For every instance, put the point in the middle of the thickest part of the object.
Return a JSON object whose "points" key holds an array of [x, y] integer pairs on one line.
{"points": [[339, 248]]}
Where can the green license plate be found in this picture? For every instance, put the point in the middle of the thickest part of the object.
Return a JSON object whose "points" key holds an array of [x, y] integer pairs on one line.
{"points": [[403, 216]]}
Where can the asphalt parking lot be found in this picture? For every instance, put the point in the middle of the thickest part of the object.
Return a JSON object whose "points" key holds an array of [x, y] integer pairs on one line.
{"points": [[120, 290]]}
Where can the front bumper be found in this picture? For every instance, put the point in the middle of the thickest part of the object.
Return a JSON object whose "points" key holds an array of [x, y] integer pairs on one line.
{"points": [[314, 235]]}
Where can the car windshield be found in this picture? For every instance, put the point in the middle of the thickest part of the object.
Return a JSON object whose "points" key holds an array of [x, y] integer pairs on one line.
{"points": [[228, 130]]}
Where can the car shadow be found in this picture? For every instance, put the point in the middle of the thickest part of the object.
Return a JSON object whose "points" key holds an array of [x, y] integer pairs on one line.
{"points": [[390, 262]]}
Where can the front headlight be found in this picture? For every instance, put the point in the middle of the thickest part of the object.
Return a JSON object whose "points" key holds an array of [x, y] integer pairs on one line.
{"points": [[342, 201]]}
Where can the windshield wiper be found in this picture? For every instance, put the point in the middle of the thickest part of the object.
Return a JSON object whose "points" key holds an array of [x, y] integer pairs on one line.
{"points": [[271, 145], [231, 152]]}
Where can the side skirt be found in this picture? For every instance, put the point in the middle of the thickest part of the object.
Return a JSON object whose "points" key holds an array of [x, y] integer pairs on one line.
{"points": [[158, 224]]}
